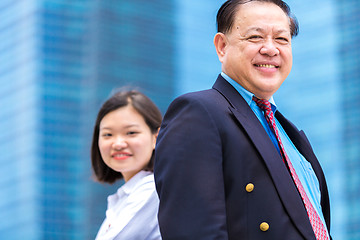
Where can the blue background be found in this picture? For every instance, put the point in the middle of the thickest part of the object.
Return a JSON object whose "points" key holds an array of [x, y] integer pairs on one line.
{"points": [[61, 59]]}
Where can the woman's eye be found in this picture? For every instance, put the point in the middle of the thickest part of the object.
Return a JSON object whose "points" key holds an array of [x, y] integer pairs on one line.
{"points": [[132, 133], [106, 134]]}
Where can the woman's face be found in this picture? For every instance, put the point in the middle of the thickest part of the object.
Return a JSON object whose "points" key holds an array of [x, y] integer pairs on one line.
{"points": [[126, 142]]}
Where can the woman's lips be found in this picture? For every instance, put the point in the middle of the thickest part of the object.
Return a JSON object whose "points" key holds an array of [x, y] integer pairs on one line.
{"points": [[121, 155]]}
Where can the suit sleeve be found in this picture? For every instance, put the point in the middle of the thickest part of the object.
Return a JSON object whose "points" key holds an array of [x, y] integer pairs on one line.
{"points": [[188, 173]]}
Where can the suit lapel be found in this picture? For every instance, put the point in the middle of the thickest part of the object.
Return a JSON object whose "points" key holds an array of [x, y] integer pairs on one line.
{"points": [[303, 145], [300, 141], [283, 182]]}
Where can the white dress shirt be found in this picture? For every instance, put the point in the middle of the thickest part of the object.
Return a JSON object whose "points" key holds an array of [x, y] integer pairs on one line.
{"points": [[132, 211]]}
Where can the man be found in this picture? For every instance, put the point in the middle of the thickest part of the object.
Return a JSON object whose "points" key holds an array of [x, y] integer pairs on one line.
{"points": [[228, 165]]}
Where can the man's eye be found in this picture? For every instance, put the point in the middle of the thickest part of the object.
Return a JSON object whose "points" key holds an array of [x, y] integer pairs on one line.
{"points": [[282, 40], [255, 37]]}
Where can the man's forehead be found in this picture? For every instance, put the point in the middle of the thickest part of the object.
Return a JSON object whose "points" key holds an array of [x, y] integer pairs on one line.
{"points": [[257, 20], [243, 10]]}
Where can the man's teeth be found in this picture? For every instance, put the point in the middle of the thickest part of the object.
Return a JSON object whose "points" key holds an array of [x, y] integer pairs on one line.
{"points": [[266, 65]]}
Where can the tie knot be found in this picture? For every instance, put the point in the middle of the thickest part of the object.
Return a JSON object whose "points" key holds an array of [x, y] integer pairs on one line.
{"points": [[263, 104]]}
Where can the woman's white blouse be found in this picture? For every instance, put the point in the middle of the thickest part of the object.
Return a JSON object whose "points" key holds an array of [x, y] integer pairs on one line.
{"points": [[132, 211]]}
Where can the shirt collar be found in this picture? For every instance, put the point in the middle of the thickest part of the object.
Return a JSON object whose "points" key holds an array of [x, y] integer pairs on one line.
{"points": [[248, 96], [127, 188], [130, 185]]}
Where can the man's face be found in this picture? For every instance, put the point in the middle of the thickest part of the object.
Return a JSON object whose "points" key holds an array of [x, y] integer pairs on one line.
{"points": [[256, 52]]}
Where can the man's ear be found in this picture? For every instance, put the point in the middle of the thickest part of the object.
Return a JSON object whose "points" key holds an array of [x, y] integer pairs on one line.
{"points": [[220, 45]]}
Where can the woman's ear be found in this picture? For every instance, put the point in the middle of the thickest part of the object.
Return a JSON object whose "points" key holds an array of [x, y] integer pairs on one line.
{"points": [[155, 137], [157, 133]]}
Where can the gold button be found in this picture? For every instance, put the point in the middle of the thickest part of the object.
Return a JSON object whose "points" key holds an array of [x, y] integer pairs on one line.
{"points": [[264, 226], [249, 187]]}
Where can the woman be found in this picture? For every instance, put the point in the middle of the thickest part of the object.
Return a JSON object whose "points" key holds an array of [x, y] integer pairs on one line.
{"points": [[123, 148]]}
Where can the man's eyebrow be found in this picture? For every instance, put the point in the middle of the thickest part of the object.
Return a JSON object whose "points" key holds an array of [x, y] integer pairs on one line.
{"points": [[283, 31], [259, 29], [255, 29]]}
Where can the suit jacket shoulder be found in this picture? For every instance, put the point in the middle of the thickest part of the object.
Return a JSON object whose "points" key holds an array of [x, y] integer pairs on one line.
{"points": [[210, 146]]}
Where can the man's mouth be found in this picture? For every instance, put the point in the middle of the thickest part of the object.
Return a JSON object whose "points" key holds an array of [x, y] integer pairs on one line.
{"points": [[266, 65]]}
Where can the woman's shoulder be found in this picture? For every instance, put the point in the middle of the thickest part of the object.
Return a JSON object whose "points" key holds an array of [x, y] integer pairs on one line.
{"points": [[141, 182]]}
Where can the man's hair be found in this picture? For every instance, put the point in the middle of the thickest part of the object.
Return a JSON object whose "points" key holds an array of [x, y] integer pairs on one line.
{"points": [[226, 14], [145, 107]]}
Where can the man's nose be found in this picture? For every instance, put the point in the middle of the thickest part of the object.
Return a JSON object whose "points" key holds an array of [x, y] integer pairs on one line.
{"points": [[269, 48]]}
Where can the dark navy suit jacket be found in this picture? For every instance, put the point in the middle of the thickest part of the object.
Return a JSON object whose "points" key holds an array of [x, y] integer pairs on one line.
{"points": [[210, 147]]}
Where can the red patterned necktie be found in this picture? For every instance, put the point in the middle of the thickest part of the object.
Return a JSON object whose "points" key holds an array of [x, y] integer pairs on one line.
{"points": [[316, 223]]}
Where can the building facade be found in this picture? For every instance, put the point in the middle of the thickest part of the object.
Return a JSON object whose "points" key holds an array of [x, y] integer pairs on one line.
{"points": [[348, 24], [61, 60]]}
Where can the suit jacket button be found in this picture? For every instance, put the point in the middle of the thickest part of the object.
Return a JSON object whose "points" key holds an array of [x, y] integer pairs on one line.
{"points": [[249, 187], [264, 226]]}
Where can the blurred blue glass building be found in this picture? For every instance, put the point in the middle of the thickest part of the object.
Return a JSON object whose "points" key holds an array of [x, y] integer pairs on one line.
{"points": [[61, 59]]}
